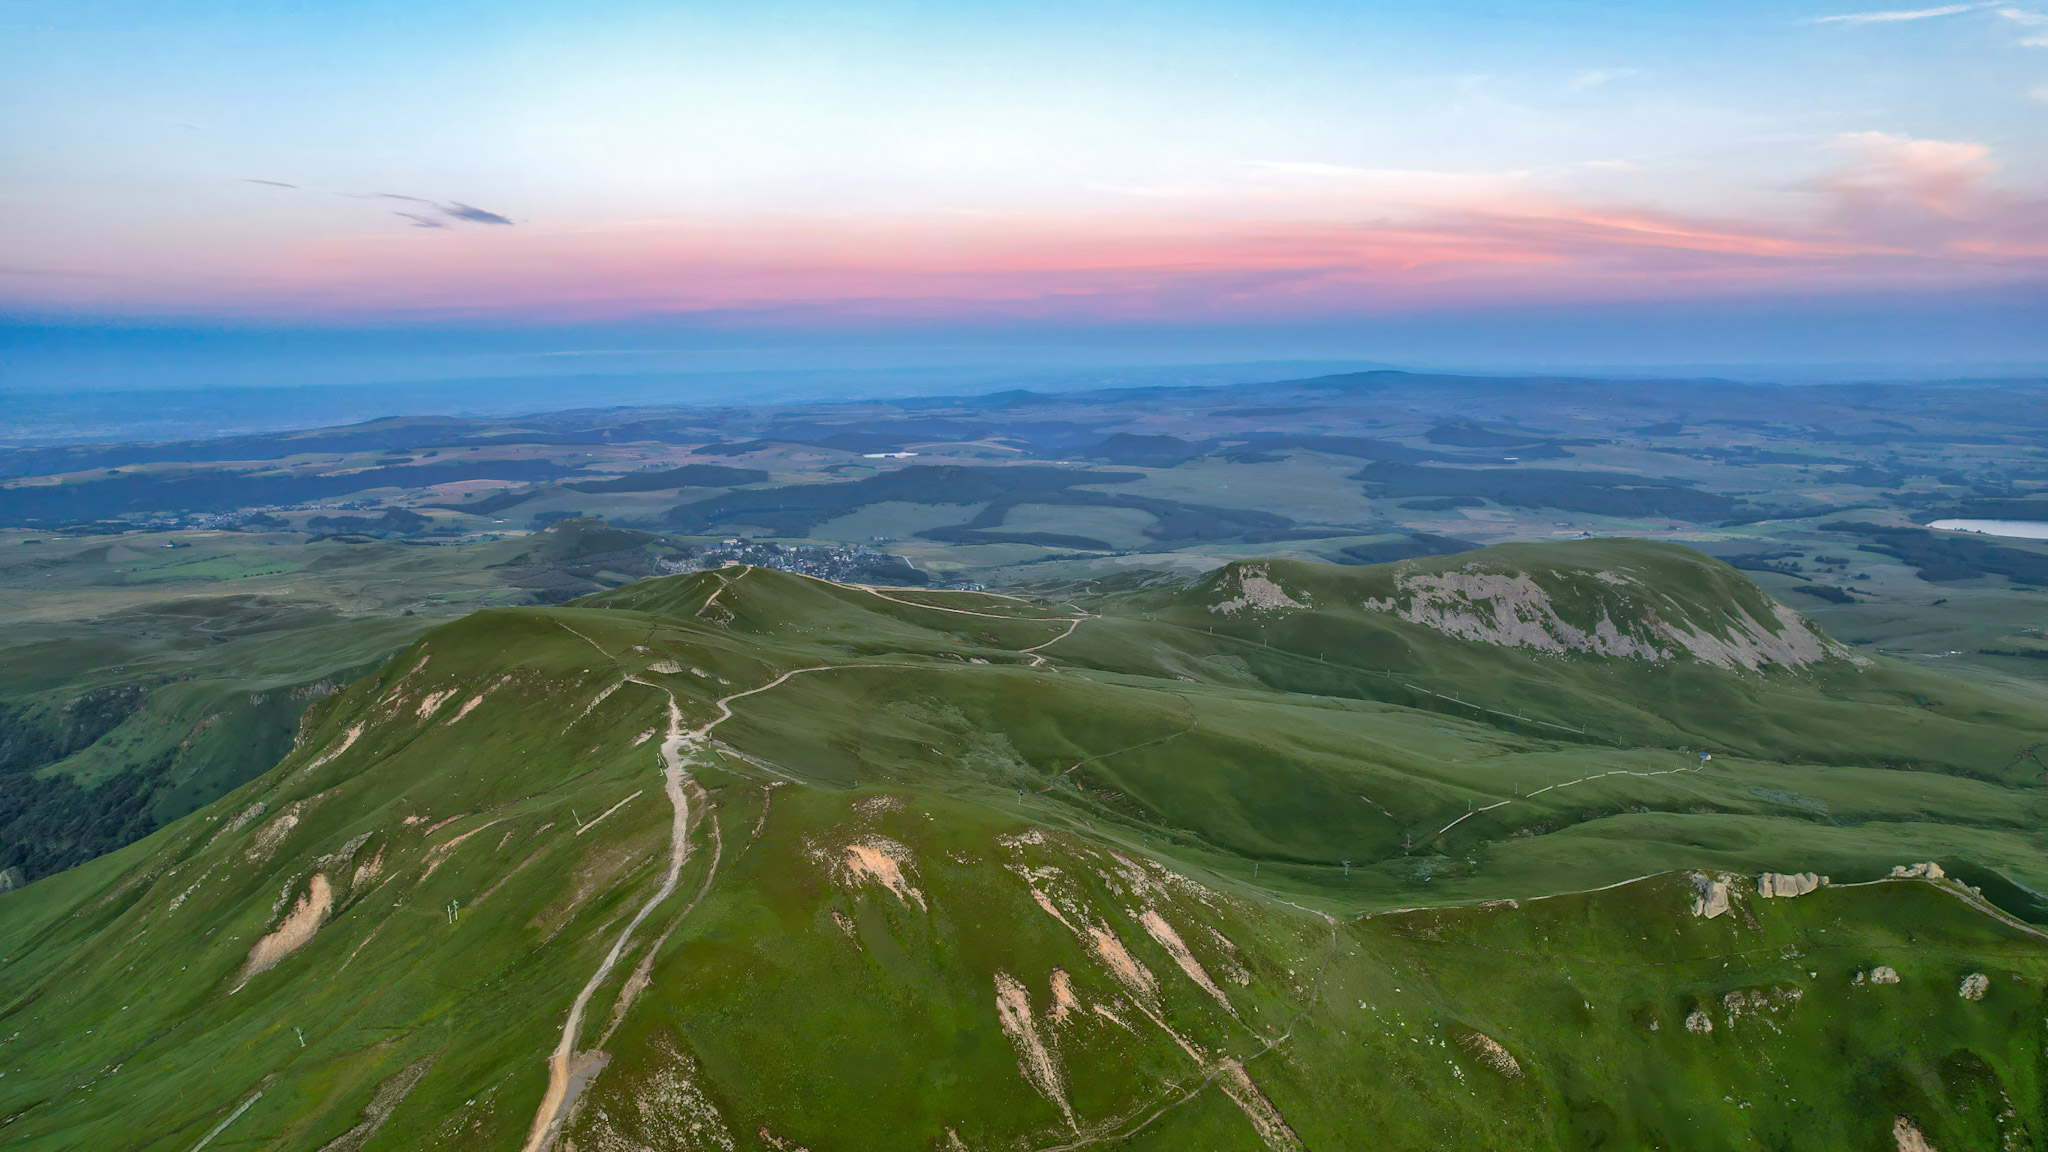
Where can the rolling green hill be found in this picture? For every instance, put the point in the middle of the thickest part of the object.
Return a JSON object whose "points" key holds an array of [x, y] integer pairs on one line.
{"points": [[1493, 850]]}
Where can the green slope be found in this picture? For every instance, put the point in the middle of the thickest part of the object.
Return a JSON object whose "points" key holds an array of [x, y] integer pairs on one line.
{"points": [[828, 867]]}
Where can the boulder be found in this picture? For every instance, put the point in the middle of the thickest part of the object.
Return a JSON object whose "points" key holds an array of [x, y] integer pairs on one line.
{"points": [[1710, 897], [1782, 884]]}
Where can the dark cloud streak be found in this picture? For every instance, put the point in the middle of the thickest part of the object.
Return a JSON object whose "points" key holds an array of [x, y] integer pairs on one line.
{"points": [[442, 213], [453, 210], [461, 211]]}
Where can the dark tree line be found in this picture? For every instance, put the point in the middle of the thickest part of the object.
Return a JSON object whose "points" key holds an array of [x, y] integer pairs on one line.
{"points": [[49, 823]]}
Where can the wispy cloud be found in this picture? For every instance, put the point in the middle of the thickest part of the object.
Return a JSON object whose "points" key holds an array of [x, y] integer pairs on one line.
{"points": [[432, 214], [1942, 177], [1895, 15], [1600, 77], [2036, 24], [461, 211], [452, 210]]}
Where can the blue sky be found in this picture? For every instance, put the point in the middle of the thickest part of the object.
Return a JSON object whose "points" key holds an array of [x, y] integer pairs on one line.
{"points": [[1500, 183]]}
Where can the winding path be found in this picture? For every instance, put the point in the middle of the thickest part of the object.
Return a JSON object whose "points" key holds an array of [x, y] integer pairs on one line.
{"points": [[1547, 787], [1037, 661], [568, 1069]]}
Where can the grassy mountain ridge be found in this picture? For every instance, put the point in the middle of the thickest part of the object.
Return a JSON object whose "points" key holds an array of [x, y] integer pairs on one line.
{"points": [[826, 866]]}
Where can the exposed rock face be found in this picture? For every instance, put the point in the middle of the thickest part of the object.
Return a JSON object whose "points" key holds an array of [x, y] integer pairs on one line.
{"points": [[1974, 986], [1711, 896], [1909, 1136], [1507, 609], [1255, 590], [1780, 884], [1513, 610], [1929, 871]]}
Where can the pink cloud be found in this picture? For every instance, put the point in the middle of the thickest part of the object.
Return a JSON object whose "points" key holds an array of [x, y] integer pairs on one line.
{"points": [[1940, 176]]}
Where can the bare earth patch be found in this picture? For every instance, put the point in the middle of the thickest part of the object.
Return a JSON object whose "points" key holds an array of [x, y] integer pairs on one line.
{"points": [[347, 738], [884, 862], [1128, 970], [298, 927], [1266, 1119], [1489, 1052], [1034, 1059], [1909, 1136], [1157, 927], [1063, 1000], [432, 701], [268, 837]]}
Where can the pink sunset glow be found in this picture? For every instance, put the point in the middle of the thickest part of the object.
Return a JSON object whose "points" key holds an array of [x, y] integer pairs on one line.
{"points": [[1900, 213], [811, 169]]}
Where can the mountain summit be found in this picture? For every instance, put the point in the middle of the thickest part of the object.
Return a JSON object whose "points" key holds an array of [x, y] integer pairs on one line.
{"points": [[1518, 848]]}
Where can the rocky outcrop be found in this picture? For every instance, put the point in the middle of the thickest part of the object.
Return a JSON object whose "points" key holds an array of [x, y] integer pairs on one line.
{"points": [[1710, 896], [1927, 871], [1514, 610], [1785, 885], [1255, 589], [1974, 986], [1506, 609]]}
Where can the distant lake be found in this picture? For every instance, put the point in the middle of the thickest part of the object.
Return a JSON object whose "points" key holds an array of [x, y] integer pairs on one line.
{"points": [[2023, 529]]}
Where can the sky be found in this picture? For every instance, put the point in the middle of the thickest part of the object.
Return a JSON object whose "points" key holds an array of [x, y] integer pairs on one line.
{"points": [[195, 191]]}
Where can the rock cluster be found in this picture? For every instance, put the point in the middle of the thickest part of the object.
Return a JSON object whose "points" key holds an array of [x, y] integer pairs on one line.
{"points": [[1782, 884]]}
